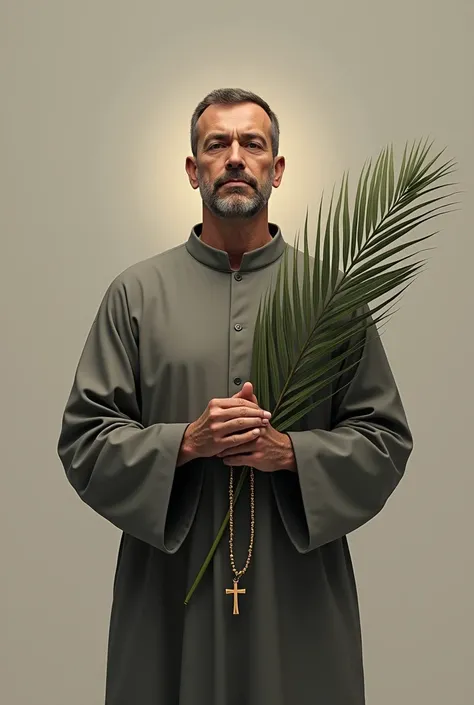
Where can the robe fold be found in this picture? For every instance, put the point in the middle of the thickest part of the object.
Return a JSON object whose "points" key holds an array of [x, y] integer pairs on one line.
{"points": [[171, 333]]}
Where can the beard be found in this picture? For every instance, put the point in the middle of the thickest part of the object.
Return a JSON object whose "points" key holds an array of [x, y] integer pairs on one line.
{"points": [[235, 201]]}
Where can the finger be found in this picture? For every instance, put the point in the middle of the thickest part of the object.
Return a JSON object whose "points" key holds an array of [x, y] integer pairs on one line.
{"points": [[246, 386], [241, 416], [248, 410], [247, 392], [236, 433], [239, 450], [235, 402], [249, 397], [238, 440]]}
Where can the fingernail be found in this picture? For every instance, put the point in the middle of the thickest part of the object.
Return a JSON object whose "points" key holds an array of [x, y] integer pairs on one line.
{"points": [[266, 414], [265, 422]]}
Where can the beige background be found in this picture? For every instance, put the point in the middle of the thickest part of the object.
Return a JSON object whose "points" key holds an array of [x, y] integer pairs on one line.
{"points": [[96, 98]]}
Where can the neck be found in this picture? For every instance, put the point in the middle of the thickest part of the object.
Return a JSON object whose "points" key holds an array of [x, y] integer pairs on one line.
{"points": [[235, 236]]}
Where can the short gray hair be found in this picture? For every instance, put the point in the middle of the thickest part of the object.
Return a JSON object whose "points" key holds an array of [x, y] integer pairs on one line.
{"points": [[233, 96]]}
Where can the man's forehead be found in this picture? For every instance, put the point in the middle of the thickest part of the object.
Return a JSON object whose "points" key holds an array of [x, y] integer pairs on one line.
{"points": [[242, 117]]}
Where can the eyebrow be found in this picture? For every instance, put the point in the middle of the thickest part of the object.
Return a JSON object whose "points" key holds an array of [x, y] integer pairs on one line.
{"points": [[223, 135]]}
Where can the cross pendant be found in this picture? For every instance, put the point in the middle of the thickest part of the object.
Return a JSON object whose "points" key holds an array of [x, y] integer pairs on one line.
{"points": [[235, 592]]}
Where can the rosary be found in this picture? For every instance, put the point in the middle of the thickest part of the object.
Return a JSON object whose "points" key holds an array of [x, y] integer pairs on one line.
{"points": [[235, 591]]}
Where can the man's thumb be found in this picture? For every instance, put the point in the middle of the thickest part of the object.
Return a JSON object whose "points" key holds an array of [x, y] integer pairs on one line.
{"points": [[247, 392]]}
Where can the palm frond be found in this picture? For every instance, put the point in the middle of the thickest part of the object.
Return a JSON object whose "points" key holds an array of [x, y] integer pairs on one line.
{"points": [[386, 208]]}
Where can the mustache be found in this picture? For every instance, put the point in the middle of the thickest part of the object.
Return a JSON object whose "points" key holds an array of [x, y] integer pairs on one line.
{"points": [[234, 177]]}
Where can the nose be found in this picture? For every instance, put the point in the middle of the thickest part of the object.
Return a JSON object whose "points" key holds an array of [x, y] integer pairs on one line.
{"points": [[235, 160]]}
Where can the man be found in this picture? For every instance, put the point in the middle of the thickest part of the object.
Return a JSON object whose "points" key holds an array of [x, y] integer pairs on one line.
{"points": [[157, 415]]}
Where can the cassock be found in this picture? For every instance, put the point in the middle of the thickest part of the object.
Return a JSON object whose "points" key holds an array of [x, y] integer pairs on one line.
{"points": [[171, 333]]}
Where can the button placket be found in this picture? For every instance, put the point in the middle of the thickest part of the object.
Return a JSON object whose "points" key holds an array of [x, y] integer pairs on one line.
{"points": [[238, 327]]}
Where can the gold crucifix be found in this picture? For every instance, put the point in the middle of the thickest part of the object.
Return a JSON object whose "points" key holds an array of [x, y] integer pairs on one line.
{"points": [[235, 592]]}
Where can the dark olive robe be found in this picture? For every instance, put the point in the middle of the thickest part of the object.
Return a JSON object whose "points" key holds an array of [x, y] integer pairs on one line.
{"points": [[171, 333]]}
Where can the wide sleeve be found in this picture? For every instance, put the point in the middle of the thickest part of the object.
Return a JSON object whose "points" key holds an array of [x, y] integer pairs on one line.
{"points": [[345, 475], [124, 471]]}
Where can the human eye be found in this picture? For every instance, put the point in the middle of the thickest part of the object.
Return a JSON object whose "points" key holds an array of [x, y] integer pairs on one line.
{"points": [[255, 145]]}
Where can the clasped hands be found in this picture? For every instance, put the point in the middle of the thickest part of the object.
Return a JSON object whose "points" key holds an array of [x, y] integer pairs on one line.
{"points": [[270, 451], [237, 430]]}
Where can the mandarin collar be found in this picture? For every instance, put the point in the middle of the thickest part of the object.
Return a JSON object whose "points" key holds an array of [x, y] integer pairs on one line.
{"points": [[219, 259]]}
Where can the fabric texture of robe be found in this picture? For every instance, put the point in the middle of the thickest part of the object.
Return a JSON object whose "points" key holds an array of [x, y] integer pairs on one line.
{"points": [[171, 333]]}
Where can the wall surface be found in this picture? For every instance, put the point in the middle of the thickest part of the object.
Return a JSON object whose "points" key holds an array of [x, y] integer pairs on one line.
{"points": [[96, 98]]}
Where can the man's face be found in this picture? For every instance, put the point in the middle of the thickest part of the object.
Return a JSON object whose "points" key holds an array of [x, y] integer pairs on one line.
{"points": [[235, 144]]}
